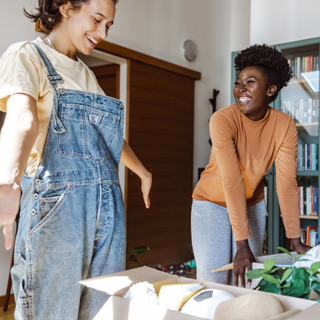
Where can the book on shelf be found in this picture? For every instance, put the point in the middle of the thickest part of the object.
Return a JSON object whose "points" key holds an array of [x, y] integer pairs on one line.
{"points": [[303, 64], [304, 235], [309, 236], [307, 157], [302, 110], [308, 204], [309, 229]]}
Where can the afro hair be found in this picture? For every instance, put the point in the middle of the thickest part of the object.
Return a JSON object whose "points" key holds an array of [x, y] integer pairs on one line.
{"points": [[271, 61]]}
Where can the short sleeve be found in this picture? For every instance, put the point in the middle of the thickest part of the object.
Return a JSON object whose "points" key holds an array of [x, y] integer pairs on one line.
{"points": [[18, 74]]}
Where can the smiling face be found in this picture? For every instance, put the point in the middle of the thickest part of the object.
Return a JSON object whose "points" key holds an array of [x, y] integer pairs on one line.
{"points": [[89, 25], [252, 92]]}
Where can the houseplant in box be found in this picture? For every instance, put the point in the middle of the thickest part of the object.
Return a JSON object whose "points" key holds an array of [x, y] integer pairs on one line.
{"points": [[289, 281]]}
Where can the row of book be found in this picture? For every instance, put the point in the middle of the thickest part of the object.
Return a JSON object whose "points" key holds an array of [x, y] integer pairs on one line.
{"points": [[308, 204], [303, 64], [310, 236], [307, 157], [301, 111]]}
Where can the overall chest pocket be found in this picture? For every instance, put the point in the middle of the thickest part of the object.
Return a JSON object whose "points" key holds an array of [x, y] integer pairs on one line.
{"points": [[89, 132]]}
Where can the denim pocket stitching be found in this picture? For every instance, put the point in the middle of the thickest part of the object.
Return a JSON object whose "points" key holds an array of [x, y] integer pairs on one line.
{"points": [[17, 254], [22, 300], [117, 123], [52, 211]]}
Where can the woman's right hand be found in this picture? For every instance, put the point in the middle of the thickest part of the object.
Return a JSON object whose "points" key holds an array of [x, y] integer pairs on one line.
{"points": [[9, 206], [146, 183], [298, 246], [242, 262]]}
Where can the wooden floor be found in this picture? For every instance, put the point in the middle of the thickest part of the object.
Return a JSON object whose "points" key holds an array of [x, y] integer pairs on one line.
{"points": [[8, 315]]}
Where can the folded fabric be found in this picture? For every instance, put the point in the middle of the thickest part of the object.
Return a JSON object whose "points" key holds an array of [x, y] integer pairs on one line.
{"points": [[313, 255]]}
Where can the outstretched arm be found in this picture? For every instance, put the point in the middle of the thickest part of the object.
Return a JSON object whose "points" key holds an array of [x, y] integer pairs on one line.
{"points": [[287, 188], [18, 135], [131, 161], [223, 143]]}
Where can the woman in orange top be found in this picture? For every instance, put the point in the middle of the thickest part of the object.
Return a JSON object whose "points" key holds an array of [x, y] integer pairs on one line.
{"points": [[228, 211]]}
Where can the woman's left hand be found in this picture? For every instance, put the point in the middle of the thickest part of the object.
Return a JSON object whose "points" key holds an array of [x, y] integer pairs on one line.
{"points": [[298, 246], [146, 183]]}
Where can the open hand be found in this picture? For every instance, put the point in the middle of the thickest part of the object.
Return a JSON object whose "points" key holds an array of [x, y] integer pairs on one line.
{"points": [[9, 206], [146, 183], [242, 262]]}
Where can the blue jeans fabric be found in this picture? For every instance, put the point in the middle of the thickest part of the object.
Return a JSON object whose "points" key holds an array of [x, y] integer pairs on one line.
{"points": [[213, 242], [72, 223]]}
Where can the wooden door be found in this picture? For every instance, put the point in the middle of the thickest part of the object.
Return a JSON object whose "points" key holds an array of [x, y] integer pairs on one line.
{"points": [[161, 134], [108, 77]]}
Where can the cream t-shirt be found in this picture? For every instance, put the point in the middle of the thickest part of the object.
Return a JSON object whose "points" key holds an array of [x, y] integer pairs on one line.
{"points": [[22, 70]]}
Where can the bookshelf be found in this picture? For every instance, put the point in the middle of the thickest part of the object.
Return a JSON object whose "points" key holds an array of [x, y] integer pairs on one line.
{"points": [[300, 100]]}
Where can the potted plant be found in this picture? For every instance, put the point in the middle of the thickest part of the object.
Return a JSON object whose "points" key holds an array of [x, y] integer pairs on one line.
{"points": [[289, 281]]}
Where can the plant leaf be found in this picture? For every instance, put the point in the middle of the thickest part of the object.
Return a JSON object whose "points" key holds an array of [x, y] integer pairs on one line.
{"points": [[268, 264], [314, 278], [284, 250], [272, 288], [271, 279], [140, 250], [287, 285], [300, 260], [300, 273], [255, 273], [299, 255], [308, 270], [299, 287], [286, 275], [315, 286], [314, 267], [134, 259], [275, 269], [318, 293]]}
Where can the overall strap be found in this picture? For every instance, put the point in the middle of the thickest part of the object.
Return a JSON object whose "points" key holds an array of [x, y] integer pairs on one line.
{"points": [[54, 78]]}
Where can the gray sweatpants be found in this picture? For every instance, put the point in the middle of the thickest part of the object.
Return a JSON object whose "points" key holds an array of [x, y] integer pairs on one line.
{"points": [[213, 242]]}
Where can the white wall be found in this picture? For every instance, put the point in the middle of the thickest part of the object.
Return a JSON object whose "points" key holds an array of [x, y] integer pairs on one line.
{"points": [[280, 21], [159, 28]]}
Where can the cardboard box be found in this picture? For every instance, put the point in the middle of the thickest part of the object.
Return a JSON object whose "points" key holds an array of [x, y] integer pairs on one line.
{"points": [[118, 308]]}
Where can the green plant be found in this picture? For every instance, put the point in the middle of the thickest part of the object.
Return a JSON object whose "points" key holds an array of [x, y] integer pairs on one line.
{"points": [[289, 281], [138, 250]]}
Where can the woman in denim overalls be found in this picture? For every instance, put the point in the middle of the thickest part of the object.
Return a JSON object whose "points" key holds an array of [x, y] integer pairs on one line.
{"points": [[72, 218]]}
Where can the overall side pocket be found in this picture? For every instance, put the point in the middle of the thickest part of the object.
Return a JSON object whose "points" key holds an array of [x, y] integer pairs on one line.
{"points": [[18, 273]]}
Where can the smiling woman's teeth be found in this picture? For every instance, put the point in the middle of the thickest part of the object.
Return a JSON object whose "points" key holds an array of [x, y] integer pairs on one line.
{"points": [[244, 99], [91, 39]]}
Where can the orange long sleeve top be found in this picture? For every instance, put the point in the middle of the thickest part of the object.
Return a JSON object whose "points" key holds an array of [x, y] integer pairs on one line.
{"points": [[242, 152]]}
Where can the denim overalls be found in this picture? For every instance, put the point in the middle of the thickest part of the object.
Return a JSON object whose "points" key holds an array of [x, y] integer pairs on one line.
{"points": [[72, 223]]}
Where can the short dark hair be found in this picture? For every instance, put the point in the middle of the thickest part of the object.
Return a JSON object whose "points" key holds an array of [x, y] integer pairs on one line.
{"points": [[48, 14], [271, 62]]}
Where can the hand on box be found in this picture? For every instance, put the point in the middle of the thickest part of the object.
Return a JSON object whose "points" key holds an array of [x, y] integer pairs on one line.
{"points": [[9, 206], [298, 246], [242, 262]]}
